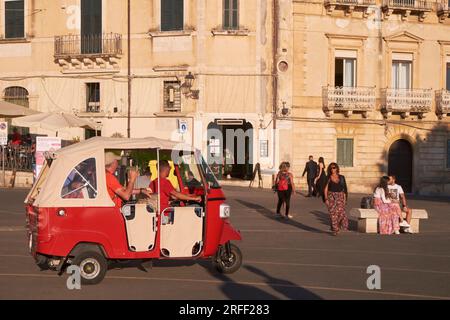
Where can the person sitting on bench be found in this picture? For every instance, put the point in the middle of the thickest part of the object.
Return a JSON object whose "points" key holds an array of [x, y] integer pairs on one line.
{"points": [[398, 196]]}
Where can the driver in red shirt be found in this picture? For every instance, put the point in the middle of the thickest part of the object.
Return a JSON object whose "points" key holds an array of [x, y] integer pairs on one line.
{"points": [[167, 190]]}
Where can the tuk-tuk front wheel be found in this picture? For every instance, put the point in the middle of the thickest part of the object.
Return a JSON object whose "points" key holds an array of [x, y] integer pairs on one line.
{"points": [[228, 260], [93, 267]]}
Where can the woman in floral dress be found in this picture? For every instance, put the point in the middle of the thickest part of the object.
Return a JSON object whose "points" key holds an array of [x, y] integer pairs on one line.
{"points": [[389, 212]]}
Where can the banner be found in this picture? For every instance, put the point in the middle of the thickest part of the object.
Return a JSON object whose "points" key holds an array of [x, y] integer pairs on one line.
{"points": [[3, 133], [44, 144]]}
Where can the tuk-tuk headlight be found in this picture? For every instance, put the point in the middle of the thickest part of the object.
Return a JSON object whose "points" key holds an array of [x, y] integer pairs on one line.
{"points": [[225, 211]]}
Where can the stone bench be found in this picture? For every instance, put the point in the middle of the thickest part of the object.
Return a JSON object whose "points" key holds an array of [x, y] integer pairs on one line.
{"points": [[368, 219]]}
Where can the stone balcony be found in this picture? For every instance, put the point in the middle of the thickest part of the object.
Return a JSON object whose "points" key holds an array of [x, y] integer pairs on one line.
{"points": [[406, 102], [348, 100], [349, 6], [94, 53], [442, 103], [407, 7], [443, 10]]}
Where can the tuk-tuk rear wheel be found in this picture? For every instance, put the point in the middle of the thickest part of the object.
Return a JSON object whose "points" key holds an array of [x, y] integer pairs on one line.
{"points": [[228, 262], [93, 267]]}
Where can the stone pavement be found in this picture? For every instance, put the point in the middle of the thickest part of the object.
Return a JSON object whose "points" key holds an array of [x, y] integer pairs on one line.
{"points": [[296, 259]]}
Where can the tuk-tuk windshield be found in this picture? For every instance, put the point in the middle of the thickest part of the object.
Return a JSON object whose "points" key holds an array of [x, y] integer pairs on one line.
{"points": [[209, 175]]}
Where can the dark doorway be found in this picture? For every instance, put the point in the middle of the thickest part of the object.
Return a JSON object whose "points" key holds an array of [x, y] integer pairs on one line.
{"points": [[91, 26], [230, 148], [400, 163]]}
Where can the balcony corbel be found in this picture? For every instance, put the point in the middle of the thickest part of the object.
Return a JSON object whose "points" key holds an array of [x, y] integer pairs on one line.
{"points": [[76, 63], [64, 64], [101, 62], [406, 14], [330, 8], [89, 63], [422, 16]]}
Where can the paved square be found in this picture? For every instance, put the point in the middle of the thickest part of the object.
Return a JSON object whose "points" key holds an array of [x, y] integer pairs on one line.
{"points": [[296, 259]]}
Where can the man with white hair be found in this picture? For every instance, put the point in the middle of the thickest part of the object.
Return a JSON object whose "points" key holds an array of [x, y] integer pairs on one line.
{"points": [[116, 191]]}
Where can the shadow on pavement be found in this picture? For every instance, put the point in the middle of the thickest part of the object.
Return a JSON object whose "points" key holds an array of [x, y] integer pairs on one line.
{"points": [[288, 289], [324, 218], [270, 215], [243, 291]]}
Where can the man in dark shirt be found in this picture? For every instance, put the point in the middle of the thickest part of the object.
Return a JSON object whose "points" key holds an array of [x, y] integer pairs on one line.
{"points": [[311, 171]]}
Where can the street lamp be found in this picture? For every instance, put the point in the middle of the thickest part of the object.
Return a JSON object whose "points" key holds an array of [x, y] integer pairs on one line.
{"points": [[285, 111], [186, 87]]}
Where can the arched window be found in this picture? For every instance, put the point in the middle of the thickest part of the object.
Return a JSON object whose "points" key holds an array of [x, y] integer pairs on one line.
{"points": [[16, 95]]}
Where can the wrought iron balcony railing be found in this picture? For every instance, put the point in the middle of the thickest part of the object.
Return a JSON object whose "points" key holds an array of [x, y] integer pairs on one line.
{"points": [[348, 100], [349, 5], [442, 103], [424, 5], [406, 101], [108, 44], [443, 10], [407, 7], [351, 2]]}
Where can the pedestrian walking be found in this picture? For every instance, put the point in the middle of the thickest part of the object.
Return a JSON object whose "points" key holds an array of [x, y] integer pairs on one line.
{"points": [[311, 173], [321, 179], [285, 186], [389, 214], [336, 195]]}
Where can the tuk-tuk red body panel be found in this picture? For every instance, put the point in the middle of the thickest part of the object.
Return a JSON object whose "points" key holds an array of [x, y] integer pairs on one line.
{"points": [[59, 234]]}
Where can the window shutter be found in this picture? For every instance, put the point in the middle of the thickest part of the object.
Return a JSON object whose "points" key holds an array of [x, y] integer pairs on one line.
{"points": [[345, 152], [172, 15], [226, 14], [231, 14], [14, 19]]}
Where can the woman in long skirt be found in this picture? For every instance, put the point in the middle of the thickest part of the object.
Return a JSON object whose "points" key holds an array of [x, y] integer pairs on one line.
{"points": [[336, 198], [389, 213]]}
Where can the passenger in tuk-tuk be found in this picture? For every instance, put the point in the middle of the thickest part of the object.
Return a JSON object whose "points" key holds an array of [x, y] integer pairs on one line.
{"points": [[116, 191], [192, 183], [168, 192]]}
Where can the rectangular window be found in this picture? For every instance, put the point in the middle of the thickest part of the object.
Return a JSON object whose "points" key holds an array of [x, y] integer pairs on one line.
{"points": [[345, 152], [172, 15], [230, 14], [401, 74], [345, 72], [448, 76], [93, 97], [91, 26], [448, 154], [172, 96], [14, 19]]}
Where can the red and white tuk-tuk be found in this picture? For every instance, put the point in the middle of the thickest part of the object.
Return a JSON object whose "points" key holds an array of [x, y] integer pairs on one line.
{"points": [[72, 223]]}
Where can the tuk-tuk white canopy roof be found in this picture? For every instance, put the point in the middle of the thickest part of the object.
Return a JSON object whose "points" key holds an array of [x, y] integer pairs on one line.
{"points": [[51, 180], [97, 143]]}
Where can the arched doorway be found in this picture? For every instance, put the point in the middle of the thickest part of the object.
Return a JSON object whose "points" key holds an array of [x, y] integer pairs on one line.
{"points": [[400, 163], [230, 148]]}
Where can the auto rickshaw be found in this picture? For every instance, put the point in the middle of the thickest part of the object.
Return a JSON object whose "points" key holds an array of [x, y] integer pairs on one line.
{"points": [[72, 220]]}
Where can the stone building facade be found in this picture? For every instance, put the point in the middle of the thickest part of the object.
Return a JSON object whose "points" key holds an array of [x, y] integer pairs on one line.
{"points": [[370, 90], [365, 83], [195, 64]]}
